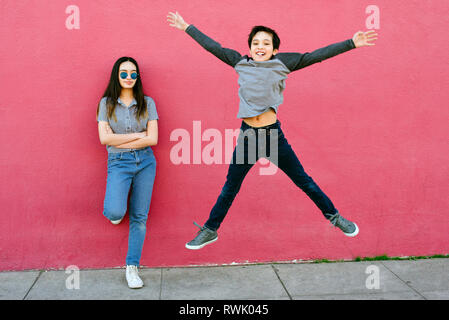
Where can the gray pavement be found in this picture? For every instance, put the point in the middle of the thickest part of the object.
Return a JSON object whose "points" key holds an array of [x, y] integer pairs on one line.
{"points": [[426, 279]]}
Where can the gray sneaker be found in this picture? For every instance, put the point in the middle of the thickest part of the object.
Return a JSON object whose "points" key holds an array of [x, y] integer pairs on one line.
{"points": [[204, 237], [349, 228]]}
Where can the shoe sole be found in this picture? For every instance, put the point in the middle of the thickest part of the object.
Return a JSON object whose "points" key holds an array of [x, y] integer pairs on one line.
{"points": [[116, 221], [190, 247], [136, 286], [356, 232]]}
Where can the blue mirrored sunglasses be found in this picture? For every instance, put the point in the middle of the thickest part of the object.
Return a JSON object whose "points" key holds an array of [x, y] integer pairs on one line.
{"points": [[124, 75]]}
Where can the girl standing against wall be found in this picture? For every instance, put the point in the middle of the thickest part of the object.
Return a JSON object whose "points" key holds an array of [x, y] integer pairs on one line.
{"points": [[127, 125]]}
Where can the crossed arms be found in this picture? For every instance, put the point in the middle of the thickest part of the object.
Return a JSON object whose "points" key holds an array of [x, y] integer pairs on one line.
{"points": [[135, 140]]}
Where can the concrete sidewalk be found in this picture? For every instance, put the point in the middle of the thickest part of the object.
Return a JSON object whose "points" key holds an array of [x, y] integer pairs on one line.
{"points": [[403, 280]]}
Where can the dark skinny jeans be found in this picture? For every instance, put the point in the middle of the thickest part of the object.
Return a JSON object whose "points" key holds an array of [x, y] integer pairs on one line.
{"points": [[246, 154]]}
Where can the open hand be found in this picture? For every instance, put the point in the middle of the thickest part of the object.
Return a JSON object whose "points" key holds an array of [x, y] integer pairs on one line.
{"points": [[177, 21], [362, 39]]}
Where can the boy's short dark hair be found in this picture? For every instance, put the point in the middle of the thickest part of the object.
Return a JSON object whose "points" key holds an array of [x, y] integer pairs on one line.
{"points": [[256, 29]]}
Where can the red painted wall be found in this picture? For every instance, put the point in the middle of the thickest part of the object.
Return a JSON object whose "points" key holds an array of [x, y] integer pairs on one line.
{"points": [[370, 126]]}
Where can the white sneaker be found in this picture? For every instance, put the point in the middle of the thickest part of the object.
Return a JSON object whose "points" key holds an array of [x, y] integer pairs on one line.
{"points": [[116, 221], [132, 276]]}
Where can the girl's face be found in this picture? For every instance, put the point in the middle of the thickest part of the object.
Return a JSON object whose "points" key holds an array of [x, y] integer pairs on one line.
{"points": [[262, 46], [129, 68]]}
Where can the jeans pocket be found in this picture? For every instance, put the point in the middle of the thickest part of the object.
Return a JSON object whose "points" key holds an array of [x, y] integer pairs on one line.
{"points": [[114, 157], [148, 152]]}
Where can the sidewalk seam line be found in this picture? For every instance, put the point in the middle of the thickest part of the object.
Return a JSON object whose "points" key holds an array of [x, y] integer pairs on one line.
{"points": [[282, 283], [416, 291], [160, 287], [34, 282]]}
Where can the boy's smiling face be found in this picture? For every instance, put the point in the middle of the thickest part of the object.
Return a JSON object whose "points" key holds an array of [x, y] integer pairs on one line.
{"points": [[262, 46]]}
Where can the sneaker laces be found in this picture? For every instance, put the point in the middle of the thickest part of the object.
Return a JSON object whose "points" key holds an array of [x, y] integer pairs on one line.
{"points": [[200, 233], [334, 219], [196, 224], [338, 221], [133, 272]]}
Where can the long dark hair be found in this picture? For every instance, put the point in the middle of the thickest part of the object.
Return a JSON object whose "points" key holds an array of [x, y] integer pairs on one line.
{"points": [[113, 90]]}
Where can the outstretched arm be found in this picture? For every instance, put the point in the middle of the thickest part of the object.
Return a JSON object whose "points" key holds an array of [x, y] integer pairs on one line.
{"points": [[229, 56], [296, 61]]}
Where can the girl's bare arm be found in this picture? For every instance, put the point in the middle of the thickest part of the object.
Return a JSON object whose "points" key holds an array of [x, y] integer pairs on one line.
{"points": [[108, 137], [150, 138]]}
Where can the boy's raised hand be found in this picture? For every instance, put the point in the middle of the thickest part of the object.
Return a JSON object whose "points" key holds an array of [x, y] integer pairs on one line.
{"points": [[362, 39], [177, 21]]}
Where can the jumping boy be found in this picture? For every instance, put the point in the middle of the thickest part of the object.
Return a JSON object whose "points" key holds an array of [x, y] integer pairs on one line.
{"points": [[262, 77]]}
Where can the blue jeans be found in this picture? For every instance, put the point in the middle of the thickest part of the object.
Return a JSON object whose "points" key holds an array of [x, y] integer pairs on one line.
{"points": [[286, 160], [135, 171]]}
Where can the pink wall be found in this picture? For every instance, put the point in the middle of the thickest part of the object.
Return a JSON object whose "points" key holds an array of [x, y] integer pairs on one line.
{"points": [[370, 126]]}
